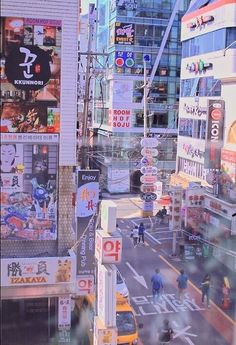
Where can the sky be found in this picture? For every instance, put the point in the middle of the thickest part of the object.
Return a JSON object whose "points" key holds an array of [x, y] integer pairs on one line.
{"points": [[85, 4]]}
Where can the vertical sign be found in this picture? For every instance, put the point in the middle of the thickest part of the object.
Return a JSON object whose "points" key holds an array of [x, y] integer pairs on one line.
{"points": [[64, 313], [87, 202], [214, 135], [175, 208]]}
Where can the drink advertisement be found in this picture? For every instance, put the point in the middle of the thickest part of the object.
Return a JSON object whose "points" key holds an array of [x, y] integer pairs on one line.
{"points": [[30, 75], [87, 204], [29, 186]]}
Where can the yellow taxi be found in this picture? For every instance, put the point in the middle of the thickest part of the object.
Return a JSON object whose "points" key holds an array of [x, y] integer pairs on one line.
{"points": [[125, 319]]}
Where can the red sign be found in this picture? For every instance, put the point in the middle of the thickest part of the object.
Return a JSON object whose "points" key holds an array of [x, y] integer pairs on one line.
{"points": [[228, 156], [148, 188], [85, 284], [148, 179]]}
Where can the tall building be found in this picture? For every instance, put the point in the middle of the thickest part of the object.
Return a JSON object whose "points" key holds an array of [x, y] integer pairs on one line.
{"points": [[128, 31], [38, 155], [206, 150]]}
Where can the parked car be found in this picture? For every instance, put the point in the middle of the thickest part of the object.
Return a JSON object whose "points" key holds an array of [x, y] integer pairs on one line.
{"points": [[121, 286]]}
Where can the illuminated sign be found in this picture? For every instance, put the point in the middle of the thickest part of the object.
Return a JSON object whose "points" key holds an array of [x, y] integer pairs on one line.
{"points": [[214, 136]]}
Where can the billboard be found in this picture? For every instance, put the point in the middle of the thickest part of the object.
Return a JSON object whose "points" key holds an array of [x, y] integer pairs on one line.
{"points": [[124, 33], [29, 186], [87, 203], [30, 75], [214, 135]]}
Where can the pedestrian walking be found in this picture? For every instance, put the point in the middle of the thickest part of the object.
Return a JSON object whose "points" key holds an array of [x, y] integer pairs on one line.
{"points": [[141, 231], [206, 282], [165, 333], [157, 285], [135, 236], [182, 281]]}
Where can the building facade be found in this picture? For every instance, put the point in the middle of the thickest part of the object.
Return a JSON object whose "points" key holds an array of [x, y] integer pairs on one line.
{"points": [[207, 116], [128, 31], [38, 155]]}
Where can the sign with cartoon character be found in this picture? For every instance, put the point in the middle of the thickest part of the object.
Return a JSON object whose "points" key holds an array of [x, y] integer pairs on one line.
{"points": [[30, 75], [37, 271], [28, 188]]}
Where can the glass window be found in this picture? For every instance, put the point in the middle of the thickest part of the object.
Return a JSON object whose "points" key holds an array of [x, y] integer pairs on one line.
{"points": [[201, 86], [230, 36]]}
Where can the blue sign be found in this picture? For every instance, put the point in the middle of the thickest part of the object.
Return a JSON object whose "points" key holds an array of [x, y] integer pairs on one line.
{"points": [[124, 59]]}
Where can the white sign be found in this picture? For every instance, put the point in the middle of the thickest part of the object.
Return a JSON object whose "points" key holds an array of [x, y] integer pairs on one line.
{"points": [[108, 215], [108, 249], [29, 137], [11, 183], [158, 191], [106, 294], [149, 152], [148, 179], [149, 142], [148, 206], [64, 313], [118, 180], [87, 199], [85, 285], [119, 119], [38, 271], [175, 208]]}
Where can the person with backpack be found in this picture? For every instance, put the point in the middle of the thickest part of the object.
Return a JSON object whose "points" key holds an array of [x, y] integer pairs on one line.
{"points": [[182, 281], [135, 235], [141, 231], [157, 285], [165, 333]]}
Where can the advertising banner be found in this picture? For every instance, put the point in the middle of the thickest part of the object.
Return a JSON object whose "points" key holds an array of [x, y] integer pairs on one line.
{"points": [[124, 33], [64, 313], [214, 135], [28, 187], [30, 75], [194, 197], [37, 271], [118, 180], [87, 202], [175, 208]]}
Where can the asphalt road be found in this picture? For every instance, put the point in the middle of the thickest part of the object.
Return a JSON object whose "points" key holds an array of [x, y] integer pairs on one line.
{"points": [[192, 322]]}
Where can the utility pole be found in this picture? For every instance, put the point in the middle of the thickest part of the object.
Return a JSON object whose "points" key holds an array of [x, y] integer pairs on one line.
{"points": [[145, 92]]}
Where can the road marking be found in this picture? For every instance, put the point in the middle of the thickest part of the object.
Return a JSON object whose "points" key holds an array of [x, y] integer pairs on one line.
{"points": [[139, 278], [147, 244], [199, 291], [134, 222], [154, 250], [153, 238]]}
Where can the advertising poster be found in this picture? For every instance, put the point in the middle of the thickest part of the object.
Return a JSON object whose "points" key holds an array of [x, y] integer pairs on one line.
{"points": [[37, 271], [30, 75], [119, 119], [29, 186], [87, 204], [214, 134], [118, 180], [64, 313], [124, 33]]}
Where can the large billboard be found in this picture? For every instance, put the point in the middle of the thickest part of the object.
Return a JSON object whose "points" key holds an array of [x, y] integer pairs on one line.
{"points": [[29, 165], [30, 75], [214, 135], [87, 203]]}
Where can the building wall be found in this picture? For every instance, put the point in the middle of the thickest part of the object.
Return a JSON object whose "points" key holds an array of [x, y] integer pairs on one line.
{"points": [[68, 13]]}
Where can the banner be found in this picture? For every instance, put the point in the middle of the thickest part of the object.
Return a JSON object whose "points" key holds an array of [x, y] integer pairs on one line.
{"points": [[30, 75], [37, 271], [87, 203], [28, 188], [64, 313], [214, 135]]}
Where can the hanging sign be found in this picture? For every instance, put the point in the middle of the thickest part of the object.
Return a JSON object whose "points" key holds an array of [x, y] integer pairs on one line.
{"points": [[148, 179], [149, 142], [149, 170], [146, 151], [148, 188], [148, 196]]}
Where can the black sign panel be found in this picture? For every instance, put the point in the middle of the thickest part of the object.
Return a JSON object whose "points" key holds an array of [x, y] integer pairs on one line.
{"points": [[124, 33], [214, 136], [87, 203], [27, 67], [148, 196]]}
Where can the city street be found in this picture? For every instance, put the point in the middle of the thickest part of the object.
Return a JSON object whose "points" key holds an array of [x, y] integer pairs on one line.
{"points": [[191, 321]]}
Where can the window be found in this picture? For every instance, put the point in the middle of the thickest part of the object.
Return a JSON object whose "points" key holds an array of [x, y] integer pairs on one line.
{"points": [[209, 42], [201, 86], [192, 128]]}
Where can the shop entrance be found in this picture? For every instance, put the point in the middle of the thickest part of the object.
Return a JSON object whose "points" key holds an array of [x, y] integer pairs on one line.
{"points": [[28, 321]]}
